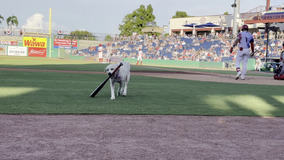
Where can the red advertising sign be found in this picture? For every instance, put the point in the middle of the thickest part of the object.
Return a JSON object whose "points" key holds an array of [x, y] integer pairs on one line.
{"points": [[9, 42], [65, 43], [37, 52]]}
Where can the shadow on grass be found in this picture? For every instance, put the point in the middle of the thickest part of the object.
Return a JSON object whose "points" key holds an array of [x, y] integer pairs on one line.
{"points": [[68, 93]]}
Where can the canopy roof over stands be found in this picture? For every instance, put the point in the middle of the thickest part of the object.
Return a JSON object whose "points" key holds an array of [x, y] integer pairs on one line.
{"points": [[153, 29], [266, 17]]}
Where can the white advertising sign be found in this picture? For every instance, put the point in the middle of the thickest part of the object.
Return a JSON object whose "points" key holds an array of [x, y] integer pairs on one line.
{"points": [[17, 51]]}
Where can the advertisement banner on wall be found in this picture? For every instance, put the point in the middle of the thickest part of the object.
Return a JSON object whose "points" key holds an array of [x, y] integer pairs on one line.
{"points": [[9, 42], [3, 50], [17, 51], [32, 34], [37, 52], [65, 43], [34, 42]]}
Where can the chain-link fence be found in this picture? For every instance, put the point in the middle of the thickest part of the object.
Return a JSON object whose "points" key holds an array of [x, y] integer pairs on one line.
{"points": [[4, 31]]}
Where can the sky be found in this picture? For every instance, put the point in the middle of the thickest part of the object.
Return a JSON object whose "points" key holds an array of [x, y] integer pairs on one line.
{"points": [[104, 16]]}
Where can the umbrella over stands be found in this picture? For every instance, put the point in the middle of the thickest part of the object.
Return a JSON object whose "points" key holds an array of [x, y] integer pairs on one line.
{"points": [[209, 24]]}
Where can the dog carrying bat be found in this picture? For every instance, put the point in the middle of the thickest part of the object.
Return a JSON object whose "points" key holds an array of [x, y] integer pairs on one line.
{"points": [[97, 90]]}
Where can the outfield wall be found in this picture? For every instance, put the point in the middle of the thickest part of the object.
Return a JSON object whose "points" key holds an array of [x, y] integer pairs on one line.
{"points": [[187, 64], [63, 53]]}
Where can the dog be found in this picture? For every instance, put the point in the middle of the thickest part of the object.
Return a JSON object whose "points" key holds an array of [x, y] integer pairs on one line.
{"points": [[121, 76]]}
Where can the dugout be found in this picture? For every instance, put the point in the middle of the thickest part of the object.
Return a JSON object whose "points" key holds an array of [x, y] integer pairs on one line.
{"points": [[271, 64]]}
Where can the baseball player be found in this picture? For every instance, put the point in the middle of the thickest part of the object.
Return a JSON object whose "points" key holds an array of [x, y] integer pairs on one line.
{"points": [[281, 64], [140, 55], [257, 64], [100, 49], [109, 50], [245, 40]]}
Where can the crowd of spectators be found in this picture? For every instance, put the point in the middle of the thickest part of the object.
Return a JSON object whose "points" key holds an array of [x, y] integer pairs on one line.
{"points": [[213, 47]]}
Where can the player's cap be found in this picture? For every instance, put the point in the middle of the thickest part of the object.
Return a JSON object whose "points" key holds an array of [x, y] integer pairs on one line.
{"points": [[100, 45], [245, 27]]}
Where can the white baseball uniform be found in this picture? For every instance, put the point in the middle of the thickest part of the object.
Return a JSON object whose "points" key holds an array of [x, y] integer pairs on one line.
{"points": [[281, 64], [140, 55], [244, 38], [109, 52], [257, 64], [100, 52]]}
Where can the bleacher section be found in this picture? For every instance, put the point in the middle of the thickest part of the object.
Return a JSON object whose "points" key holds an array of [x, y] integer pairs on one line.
{"points": [[170, 51], [271, 15]]}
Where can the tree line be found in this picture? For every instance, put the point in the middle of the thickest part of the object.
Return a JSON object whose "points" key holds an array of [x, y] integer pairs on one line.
{"points": [[11, 21]]}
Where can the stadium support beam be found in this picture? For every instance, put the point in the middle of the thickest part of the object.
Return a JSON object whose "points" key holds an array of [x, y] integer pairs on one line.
{"points": [[267, 39], [236, 7]]}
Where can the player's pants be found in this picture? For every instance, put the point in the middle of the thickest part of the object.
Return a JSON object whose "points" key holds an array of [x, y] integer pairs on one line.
{"points": [[100, 54], [282, 68], [242, 56], [139, 59], [257, 67]]}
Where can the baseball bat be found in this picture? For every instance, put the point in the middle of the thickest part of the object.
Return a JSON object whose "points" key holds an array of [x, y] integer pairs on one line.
{"points": [[97, 90]]}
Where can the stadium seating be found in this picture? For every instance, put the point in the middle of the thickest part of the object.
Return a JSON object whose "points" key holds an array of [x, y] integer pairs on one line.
{"points": [[197, 46]]}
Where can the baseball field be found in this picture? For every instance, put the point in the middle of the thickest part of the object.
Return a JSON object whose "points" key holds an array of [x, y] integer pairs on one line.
{"points": [[169, 113]]}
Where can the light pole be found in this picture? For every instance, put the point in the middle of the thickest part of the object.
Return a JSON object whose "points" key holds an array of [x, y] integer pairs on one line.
{"points": [[236, 7], [221, 23], [193, 32], [267, 35]]}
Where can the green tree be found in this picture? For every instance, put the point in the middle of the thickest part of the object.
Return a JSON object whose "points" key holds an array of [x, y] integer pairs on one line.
{"points": [[127, 27], [11, 21], [136, 21], [181, 14], [108, 38], [84, 35], [226, 13], [1, 18]]}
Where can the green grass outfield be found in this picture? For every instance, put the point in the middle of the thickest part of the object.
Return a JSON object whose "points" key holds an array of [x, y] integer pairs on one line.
{"points": [[68, 93]]}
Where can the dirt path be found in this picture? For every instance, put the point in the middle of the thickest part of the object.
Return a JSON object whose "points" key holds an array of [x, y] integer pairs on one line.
{"points": [[125, 137], [128, 137]]}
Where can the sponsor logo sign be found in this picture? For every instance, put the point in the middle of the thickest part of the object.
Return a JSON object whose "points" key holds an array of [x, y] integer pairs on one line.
{"points": [[32, 34], [89, 58], [37, 52], [150, 24], [116, 59], [65, 43], [3, 50], [35, 42], [17, 51], [9, 42]]}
